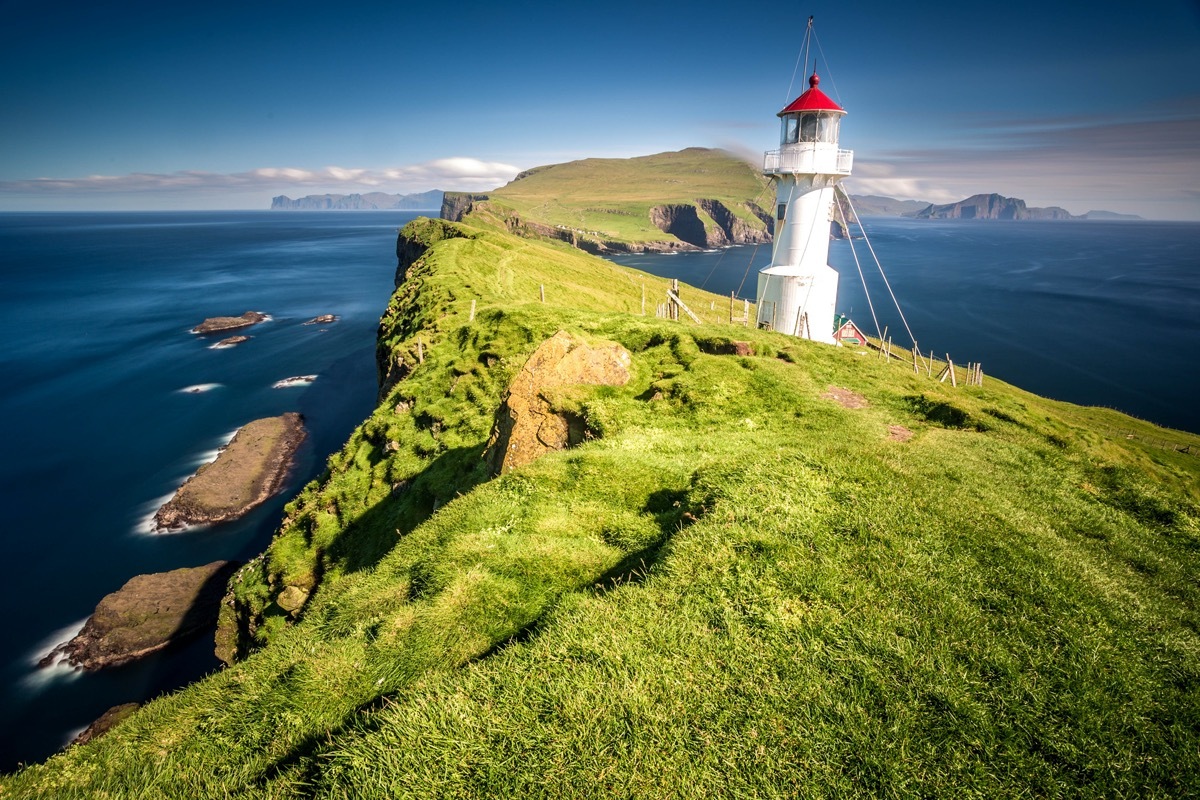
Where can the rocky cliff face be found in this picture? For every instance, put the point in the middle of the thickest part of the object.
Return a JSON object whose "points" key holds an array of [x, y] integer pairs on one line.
{"points": [[456, 205], [718, 227]]}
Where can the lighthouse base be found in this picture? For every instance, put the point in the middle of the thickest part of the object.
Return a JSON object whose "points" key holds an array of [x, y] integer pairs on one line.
{"points": [[798, 301]]}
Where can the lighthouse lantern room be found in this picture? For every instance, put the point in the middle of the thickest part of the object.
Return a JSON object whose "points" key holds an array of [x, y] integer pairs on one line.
{"points": [[797, 293]]}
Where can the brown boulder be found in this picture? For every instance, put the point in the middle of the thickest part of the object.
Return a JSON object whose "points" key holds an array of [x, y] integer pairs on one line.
{"points": [[527, 426], [249, 470], [147, 614]]}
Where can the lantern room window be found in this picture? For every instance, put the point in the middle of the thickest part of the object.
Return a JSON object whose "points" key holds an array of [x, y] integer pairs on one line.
{"points": [[791, 129], [811, 126]]}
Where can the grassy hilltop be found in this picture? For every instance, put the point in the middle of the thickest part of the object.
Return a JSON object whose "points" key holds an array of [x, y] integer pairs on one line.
{"points": [[692, 198], [800, 571]]}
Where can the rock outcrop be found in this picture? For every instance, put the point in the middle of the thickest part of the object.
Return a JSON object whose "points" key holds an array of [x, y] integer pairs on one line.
{"points": [[721, 228], [251, 468], [147, 614], [106, 722], [221, 324], [528, 425], [456, 205]]}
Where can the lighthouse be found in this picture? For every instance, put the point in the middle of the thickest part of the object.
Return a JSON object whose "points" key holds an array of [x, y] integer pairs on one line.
{"points": [[797, 293]]}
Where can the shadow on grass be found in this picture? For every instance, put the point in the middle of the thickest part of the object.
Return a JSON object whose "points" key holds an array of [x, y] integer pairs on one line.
{"points": [[671, 512], [373, 535]]}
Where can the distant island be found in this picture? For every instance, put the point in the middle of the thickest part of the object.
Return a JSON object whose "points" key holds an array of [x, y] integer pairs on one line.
{"points": [[424, 201], [979, 206]]}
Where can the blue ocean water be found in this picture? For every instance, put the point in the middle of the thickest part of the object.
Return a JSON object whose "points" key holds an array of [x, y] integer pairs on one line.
{"points": [[97, 350], [1095, 313], [97, 431]]}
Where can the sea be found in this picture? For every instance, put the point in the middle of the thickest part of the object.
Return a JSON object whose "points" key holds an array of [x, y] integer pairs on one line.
{"points": [[110, 402]]}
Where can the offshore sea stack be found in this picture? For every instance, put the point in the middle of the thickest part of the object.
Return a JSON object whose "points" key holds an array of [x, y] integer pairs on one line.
{"points": [[147, 614], [251, 468]]}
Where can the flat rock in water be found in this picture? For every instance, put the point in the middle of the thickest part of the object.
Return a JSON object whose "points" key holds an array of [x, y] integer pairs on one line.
{"points": [[147, 614], [232, 340], [323, 319], [247, 471], [220, 324]]}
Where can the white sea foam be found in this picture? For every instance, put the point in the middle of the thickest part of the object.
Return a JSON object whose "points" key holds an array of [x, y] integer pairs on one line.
{"points": [[198, 388], [298, 380], [70, 737], [58, 669]]}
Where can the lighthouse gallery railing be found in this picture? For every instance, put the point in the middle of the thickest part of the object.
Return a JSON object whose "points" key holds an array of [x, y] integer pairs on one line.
{"points": [[828, 162]]}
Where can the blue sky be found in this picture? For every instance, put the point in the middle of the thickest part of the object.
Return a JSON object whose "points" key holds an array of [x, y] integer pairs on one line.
{"points": [[223, 105]]}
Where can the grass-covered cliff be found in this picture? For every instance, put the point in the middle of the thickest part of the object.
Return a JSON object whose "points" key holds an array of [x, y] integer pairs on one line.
{"points": [[693, 198], [799, 571]]}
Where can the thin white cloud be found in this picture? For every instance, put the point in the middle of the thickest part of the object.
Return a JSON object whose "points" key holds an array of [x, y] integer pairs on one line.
{"points": [[1148, 167], [457, 173]]}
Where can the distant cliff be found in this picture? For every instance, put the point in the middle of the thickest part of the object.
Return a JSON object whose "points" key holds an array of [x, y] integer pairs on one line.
{"points": [[991, 206], [372, 200], [455, 205]]}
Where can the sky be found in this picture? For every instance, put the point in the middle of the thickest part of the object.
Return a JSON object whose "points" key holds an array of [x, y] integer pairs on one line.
{"points": [[222, 105]]}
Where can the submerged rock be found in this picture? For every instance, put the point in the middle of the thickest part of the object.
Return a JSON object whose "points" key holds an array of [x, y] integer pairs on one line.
{"points": [[147, 614], [220, 324], [527, 425], [251, 468]]}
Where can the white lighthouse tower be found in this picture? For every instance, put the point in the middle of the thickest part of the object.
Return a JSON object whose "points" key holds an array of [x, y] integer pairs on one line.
{"points": [[797, 293]]}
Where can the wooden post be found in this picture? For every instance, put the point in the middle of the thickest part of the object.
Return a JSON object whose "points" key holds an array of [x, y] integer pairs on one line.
{"points": [[643, 298], [882, 339], [472, 317], [916, 353], [420, 350], [731, 308], [542, 291], [678, 304], [746, 315], [950, 366]]}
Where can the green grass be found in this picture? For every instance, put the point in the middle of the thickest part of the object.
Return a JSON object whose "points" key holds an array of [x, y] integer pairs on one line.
{"points": [[738, 588], [609, 199]]}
